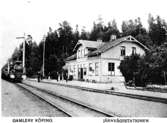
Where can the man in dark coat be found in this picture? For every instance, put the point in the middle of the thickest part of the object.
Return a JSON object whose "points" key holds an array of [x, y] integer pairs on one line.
{"points": [[60, 74], [39, 76], [65, 76], [56, 76]]}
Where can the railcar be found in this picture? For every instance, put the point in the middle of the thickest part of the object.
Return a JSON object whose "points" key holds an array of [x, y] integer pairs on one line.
{"points": [[13, 72]]}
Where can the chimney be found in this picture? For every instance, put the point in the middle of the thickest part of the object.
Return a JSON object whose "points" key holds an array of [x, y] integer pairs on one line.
{"points": [[113, 37]]}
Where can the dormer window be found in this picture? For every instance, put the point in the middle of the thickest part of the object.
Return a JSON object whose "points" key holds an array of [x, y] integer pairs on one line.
{"points": [[123, 51]]}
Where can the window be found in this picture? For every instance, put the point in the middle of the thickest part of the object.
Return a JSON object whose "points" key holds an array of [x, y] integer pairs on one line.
{"points": [[96, 68], [111, 66], [74, 70], [79, 53], [123, 52], [84, 71], [78, 67], [133, 50], [90, 67], [71, 70], [84, 52]]}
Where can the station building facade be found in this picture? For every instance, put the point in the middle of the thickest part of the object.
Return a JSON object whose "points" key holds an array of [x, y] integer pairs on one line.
{"points": [[97, 61]]}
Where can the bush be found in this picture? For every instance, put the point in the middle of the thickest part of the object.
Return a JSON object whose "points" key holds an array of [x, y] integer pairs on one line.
{"points": [[150, 69], [128, 66], [132, 68]]}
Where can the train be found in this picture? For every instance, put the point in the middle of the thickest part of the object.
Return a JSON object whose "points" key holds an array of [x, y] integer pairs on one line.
{"points": [[13, 72]]}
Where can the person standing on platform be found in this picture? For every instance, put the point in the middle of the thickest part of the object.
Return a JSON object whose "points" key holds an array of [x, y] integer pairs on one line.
{"points": [[57, 76], [60, 76], [65, 75], [39, 76]]}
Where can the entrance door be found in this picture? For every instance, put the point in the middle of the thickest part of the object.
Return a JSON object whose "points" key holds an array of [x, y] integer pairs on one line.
{"points": [[81, 75]]}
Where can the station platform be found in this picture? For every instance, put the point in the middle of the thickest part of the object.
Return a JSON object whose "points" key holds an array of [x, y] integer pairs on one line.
{"points": [[114, 88], [120, 102]]}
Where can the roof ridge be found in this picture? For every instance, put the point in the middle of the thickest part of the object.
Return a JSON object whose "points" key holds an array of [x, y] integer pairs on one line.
{"points": [[111, 44]]}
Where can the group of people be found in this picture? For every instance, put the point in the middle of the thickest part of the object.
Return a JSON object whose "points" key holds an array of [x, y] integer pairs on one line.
{"points": [[57, 75]]}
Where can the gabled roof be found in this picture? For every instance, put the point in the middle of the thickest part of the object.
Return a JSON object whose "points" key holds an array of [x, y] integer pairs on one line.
{"points": [[111, 44], [88, 44], [101, 47]]}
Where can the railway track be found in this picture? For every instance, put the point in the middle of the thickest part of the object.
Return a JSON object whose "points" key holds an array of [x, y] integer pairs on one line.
{"points": [[134, 96], [69, 106]]}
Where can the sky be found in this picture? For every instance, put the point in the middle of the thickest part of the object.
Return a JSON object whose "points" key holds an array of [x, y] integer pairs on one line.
{"points": [[34, 17]]}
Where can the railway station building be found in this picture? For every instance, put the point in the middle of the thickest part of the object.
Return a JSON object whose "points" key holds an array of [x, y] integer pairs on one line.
{"points": [[98, 61]]}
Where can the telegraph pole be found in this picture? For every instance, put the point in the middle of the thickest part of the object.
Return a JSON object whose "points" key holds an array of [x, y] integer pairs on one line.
{"points": [[43, 69], [8, 66], [24, 47]]}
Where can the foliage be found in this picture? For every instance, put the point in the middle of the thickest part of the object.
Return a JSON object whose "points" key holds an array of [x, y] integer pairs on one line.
{"points": [[131, 68], [133, 27], [103, 32], [17, 54], [152, 68], [157, 30], [84, 35], [158, 64], [136, 29]]}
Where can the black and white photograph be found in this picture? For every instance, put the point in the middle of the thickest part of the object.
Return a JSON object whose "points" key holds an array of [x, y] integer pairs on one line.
{"points": [[85, 59]]}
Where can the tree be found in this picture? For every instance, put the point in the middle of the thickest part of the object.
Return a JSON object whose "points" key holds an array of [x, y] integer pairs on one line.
{"points": [[129, 67], [151, 68], [76, 37], [103, 32], [84, 35], [136, 29], [51, 44], [65, 38], [145, 39], [51, 49], [110, 29], [158, 64], [157, 29], [133, 27], [35, 60], [96, 32], [129, 28], [17, 54]]}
